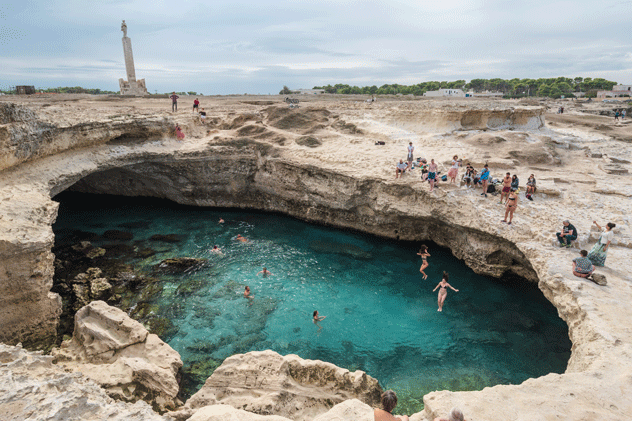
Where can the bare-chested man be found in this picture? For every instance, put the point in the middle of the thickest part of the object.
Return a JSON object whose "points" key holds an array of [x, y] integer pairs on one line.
{"points": [[506, 187]]}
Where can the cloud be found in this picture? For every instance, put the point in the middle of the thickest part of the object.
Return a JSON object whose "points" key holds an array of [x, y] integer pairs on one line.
{"points": [[259, 46]]}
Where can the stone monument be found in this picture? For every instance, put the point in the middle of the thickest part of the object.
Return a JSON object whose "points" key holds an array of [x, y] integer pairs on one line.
{"points": [[131, 86]]}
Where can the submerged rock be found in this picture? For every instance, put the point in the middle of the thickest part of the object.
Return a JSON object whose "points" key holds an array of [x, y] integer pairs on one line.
{"points": [[117, 235], [180, 263], [122, 356], [268, 383], [168, 238]]}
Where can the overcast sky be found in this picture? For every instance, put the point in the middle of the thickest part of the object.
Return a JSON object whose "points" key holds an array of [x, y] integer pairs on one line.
{"points": [[224, 47]]}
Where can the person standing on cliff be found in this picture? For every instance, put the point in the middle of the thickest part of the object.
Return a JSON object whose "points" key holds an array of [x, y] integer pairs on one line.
{"points": [[432, 174], [174, 102], [484, 178], [506, 187], [409, 157], [196, 105]]}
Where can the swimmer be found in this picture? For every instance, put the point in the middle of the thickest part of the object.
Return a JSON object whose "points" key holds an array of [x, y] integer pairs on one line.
{"points": [[247, 293], [221, 221], [265, 272], [317, 319], [423, 252], [240, 238], [443, 292], [216, 249]]}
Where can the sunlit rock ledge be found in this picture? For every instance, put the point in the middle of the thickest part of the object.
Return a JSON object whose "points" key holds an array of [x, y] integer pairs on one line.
{"points": [[256, 156]]}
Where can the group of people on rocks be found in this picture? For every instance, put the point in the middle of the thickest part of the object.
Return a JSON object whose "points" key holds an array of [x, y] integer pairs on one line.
{"points": [[174, 108], [584, 266], [389, 402]]}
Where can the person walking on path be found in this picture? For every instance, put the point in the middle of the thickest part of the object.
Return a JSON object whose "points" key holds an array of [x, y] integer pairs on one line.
{"points": [[196, 105], [174, 102], [599, 251], [484, 178], [568, 234], [512, 205], [506, 188], [443, 292], [409, 157], [622, 114], [616, 116], [423, 252], [582, 266], [454, 169], [432, 173]]}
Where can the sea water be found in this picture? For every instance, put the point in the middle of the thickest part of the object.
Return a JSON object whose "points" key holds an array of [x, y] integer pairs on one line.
{"points": [[381, 316]]}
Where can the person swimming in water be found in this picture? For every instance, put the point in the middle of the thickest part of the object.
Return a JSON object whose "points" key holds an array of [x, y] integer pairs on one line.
{"points": [[216, 249], [317, 318], [265, 272], [423, 252], [221, 221], [443, 292], [247, 293], [240, 238]]}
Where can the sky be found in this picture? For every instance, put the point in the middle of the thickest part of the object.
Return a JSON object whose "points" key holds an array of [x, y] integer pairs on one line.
{"points": [[257, 47]]}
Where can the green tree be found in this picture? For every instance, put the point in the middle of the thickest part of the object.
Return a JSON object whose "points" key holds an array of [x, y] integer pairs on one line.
{"points": [[285, 91]]}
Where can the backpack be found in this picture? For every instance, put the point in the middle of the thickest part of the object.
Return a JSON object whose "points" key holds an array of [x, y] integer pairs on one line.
{"points": [[491, 188]]}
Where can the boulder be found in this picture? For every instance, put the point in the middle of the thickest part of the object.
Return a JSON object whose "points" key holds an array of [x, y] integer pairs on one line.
{"points": [[351, 409], [228, 413], [118, 353], [180, 263], [266, 383], [33, 388], [169, 238]]}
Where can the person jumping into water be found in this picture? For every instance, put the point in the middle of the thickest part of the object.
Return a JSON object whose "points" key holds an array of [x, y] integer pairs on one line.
{"points": [[443, 292], [423, 252]]}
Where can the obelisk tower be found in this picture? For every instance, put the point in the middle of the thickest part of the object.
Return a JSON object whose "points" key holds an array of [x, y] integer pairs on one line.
{"points": [[131, 86]]}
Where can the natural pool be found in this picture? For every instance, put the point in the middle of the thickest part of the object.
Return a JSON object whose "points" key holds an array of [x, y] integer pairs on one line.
{"points": [[381, 316]]}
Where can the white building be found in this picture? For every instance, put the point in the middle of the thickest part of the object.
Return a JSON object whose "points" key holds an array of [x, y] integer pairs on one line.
{"points": [[616, 91], [446, 93], [485, 94]]}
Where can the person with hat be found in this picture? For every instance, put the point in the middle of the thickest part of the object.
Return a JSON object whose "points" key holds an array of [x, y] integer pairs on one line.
{"points": [[568, 234]]}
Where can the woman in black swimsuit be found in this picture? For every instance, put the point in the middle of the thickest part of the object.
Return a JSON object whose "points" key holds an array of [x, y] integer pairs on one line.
{"points": [[512, 204], [443, 292]]}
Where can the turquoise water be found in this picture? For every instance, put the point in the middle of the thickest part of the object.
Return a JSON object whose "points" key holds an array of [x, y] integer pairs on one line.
{"points": [[381, 316]]}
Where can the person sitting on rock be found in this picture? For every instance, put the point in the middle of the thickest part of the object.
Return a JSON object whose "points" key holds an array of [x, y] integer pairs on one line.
{"points": [[455, 415], [389, 402], [401, 168], [582, 266], [568, 234], [531, 188]]}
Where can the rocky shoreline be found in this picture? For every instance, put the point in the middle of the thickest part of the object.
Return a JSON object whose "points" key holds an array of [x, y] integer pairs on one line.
{"points": [[255, 159]]}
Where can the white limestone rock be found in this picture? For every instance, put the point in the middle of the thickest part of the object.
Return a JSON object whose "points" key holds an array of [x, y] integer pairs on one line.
{"points": [[118, 353], [267, 383], [33, 388]]}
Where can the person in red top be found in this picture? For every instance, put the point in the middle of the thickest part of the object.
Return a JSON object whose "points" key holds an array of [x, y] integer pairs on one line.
{"points": [[196, 104], [174, 102]]}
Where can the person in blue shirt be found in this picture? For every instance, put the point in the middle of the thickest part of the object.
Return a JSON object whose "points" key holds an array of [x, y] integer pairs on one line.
{"points": [[484, 179]]}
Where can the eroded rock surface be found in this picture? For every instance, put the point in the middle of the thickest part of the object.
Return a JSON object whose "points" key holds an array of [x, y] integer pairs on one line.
{"points": [[267, 383], [33, 388], [118, 353]]}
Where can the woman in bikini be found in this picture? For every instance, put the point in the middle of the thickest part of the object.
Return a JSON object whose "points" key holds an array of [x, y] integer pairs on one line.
{"points": [[443, 292], [512, 204], [423, 252]]}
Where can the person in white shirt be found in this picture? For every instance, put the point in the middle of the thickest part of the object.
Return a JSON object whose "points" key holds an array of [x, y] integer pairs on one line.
{"points": [[599, 251], [409, 158], [401, 168]]}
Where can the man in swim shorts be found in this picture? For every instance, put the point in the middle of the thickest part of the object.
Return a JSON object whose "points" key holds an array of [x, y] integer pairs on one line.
{"points": [[432, 174], [506, 187]]}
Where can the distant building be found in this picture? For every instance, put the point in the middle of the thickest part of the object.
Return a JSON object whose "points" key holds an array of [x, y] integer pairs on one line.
{"points": [[616, 91], [25, 90], [310, 91], [446, 93], [484, 94]]}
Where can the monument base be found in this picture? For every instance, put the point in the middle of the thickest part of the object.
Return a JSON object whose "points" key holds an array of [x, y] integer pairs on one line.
{"points": [[133, 88]]}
